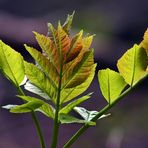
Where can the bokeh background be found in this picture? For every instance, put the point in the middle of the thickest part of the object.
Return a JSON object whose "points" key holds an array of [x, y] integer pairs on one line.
{"points": [[117, 25]]}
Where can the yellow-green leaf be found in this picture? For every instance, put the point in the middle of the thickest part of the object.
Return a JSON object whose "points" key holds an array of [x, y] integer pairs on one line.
{"points": [[48, 68], [45, 108], [40, 80], [111, 84], [71, 105], [70, 93], [11, 64], [132, 65]]}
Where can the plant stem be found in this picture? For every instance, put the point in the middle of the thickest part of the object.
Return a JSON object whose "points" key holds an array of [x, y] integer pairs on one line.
{"points": [[42, 143], [36, 123], [56, 119], [103, 111]]}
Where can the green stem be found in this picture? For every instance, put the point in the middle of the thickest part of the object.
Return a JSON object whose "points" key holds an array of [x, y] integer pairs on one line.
{"points": [[56, 120], [42, 143], [36, 122], [103, 111]]}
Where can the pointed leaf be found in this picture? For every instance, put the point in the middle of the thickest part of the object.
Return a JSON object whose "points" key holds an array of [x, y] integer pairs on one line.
{"points": [[68, 22], [81, 72], [111, 84], [39, 79], [71, 105], [70, 93], [13, 70], [27, 107], [45, 108], [67, 119], [45, 64], [49, 48], [132, 65], [88, 115]]}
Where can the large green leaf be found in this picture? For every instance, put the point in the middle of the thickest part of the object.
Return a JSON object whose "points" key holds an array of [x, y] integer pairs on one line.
{"points": [[70, 93], [67, 119], [111, 84], [88, 115], [71, 105], [132, 65], [11, 64], [45, 108], [40, 80]]}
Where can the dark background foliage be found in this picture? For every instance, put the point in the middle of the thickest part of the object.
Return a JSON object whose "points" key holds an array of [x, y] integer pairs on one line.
{"points": [[117, 25]]}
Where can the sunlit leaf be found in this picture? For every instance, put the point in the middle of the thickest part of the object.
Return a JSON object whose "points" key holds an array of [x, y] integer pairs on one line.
{"points": [[45, 64], [40, 80], [67, 119], [81, 72], [111, 84], [132, 65], [27, 107], [45, 108], [49, 48], [11, 64], [70, 106], [88, 115], [70, 93]]}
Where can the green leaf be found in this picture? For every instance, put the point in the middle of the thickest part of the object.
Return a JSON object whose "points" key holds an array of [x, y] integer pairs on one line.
{"points": [[70, 93], [71, 105], [68, 22], [40, 80], [32, 88], [88, 115], [111, 84], [11, 64], [47, 66], [27, 107], [67, 119], [45, 108], [132, 65]]}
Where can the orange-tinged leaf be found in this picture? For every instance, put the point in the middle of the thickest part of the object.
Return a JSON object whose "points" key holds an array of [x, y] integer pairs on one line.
{"points": [[81, 71], [75, 47], [68, 94], [47, 45]]}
